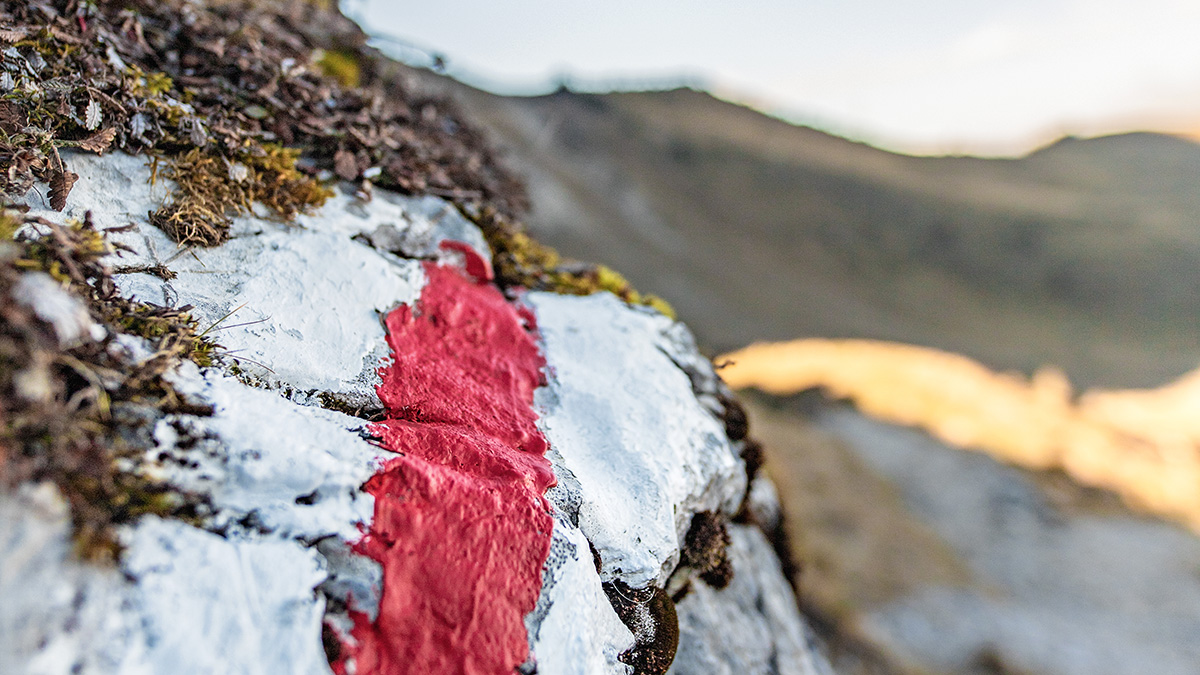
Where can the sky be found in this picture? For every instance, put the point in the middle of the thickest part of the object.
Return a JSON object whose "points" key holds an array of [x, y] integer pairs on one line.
{"points": [[989, 77]]}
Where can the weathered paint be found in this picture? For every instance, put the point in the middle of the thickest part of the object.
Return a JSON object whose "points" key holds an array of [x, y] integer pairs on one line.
{"points": [[461, 527]]}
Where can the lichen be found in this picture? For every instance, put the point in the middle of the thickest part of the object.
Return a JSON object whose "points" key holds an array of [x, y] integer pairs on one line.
{"points": [[705, 549]]}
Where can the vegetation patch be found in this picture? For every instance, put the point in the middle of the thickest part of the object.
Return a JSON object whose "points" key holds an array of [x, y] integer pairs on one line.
{"points": [[251, 101], [75, 413], [218, 90], [210, 188], [705, 549], [521, 261], [241, 104]]}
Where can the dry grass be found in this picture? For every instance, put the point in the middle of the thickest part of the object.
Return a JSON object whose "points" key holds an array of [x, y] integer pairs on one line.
{"points": [[1141, 444]]}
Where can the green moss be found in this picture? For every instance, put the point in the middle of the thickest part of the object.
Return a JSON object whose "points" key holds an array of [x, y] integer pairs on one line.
{"points": [[210, 189], [521, 261], [9, 224], [342, 65], [147, 85]]}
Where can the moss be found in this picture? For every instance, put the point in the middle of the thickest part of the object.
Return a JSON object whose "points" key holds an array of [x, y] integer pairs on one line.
{"points": [[9, 224], [209, 190], [521, 261], [342, 65], [705, 549], [145, 85], [737, 424]]}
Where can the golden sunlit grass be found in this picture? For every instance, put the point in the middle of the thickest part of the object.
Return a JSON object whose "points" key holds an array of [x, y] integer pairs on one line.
{"points": [[1141, 444]]}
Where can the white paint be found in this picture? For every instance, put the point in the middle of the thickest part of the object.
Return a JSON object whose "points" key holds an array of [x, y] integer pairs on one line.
{"points": [[574, 630], [298, 305], [247, 466], [66, 313], [215, 605], [57, 612], [627, 425], [184, 600], [411, 227], [750, 626]]}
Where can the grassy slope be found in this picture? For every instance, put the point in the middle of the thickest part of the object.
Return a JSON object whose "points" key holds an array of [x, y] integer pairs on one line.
{"points": [[1081, 254]]}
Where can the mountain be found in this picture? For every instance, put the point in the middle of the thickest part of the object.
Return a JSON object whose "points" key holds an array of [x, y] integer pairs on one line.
{"points": [[1080, 254]]}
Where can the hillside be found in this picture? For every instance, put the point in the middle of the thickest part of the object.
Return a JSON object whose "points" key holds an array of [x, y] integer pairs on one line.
{"points": [[1078, 255]]}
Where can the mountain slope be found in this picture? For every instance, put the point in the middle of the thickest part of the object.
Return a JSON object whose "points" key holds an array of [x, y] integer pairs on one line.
{"points": [[1080, 254]]}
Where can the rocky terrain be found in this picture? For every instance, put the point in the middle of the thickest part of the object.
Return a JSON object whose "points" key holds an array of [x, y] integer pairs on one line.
{"points": [[928, 559]]}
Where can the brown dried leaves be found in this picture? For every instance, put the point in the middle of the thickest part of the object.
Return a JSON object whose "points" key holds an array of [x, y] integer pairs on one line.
{"points": [[99, 141], [61, 182]]}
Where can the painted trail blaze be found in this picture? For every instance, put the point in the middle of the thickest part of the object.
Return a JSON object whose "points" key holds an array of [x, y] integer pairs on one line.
{"points": [[461, 527]]}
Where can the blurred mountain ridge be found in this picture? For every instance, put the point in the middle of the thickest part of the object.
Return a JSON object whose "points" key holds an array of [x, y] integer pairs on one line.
{"points": [[1080, 254]]}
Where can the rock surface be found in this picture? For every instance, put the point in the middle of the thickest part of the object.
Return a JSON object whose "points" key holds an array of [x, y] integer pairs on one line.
{"points": [[637, 448]]}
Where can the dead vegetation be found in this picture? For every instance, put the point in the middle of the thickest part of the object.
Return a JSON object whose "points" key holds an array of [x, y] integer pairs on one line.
{"points": [[250, 102], [521, 261], [219, 91], [72, 410]]}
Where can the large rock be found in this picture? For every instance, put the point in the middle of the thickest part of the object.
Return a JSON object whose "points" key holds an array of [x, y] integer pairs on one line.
{"points": [[636, 444]]}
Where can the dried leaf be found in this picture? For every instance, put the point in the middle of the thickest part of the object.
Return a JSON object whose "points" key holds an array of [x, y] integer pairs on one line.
{"points": [[99, 141], [12, 36], [60, 186], [345, 165], [12, 117], [92, 116], [138, 125]]}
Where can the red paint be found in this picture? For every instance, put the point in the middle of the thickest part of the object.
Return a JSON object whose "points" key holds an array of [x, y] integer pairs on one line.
{"points": [[461, 526], [476, 265]]}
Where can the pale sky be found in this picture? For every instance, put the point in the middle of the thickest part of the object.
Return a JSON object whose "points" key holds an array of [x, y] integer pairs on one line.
{"points": [[978, 76]]}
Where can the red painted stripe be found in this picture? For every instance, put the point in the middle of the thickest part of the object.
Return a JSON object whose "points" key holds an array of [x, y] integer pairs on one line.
{"points": [[461, 526]]}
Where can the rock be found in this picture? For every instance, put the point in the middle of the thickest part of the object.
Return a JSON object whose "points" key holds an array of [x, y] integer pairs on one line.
{"points": [[644, 452], [630, 410], [69, 316], [750, 626]]}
